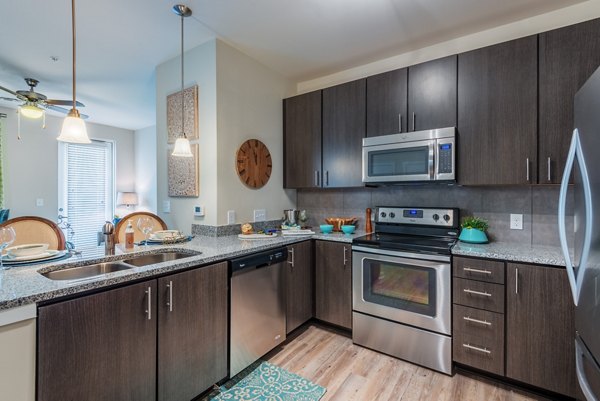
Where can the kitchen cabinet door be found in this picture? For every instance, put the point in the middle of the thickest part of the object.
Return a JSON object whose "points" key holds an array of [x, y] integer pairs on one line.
{"points": [[497, 114], [302, 141], [299, 280], [387, 102], [568, 56], [334, 283], [192, 331], [100, 347], [432, 94], [344, 115], [540, 328]]}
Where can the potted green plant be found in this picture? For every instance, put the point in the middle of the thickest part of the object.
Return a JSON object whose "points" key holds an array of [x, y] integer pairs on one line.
{"points": [[473, 230]]}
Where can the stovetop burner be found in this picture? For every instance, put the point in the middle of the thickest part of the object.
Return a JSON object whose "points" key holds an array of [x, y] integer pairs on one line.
{"points": [[400, 242]]}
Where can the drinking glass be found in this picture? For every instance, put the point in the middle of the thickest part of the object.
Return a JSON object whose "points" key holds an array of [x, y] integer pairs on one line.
{"points": [[146, 225], [7, 237]]}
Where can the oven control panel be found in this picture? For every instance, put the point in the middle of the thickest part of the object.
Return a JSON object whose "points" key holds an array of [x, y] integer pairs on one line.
{"points": [[417, 216]]}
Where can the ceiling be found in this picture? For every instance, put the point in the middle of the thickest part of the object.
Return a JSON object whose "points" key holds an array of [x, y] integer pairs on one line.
{"points": [[120, 42]]}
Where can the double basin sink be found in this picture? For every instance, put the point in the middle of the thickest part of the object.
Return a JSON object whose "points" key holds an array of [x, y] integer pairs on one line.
{"points": [[99, 269]]}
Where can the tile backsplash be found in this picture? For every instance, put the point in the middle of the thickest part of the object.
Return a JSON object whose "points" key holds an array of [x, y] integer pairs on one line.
{"points": [[537, 204]]}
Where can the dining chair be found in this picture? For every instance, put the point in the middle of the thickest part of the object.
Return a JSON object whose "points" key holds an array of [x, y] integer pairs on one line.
{"points": [[36, 230], [158, 224], [4, 215]]}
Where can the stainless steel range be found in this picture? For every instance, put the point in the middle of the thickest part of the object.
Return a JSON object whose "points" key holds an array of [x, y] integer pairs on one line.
{"points": [[401, 285]]}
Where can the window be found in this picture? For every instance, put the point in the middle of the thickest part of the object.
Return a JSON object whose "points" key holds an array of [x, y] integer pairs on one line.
{"points": [[86, 189]]}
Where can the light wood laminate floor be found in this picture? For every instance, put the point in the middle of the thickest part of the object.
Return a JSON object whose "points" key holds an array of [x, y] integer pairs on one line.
{"points": [[353, 373]]}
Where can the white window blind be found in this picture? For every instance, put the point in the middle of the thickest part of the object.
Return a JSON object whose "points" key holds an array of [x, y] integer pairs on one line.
{"points": [[86, 189]]}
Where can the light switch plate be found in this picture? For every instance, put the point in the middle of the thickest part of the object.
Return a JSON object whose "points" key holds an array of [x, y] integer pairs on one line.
{"points": [[166, 206], [231, 217], [260, 215], [516, 221]]}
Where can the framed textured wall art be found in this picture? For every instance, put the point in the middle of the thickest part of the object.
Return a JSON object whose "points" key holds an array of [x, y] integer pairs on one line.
{"points": [[183, 174], [190, 98]]}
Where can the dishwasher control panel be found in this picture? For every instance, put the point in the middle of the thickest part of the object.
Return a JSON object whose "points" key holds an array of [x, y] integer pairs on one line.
{"points": [[259, 259]]}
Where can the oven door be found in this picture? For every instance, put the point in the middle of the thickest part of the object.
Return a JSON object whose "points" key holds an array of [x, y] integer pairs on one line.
{"points": [[395, 162], [410, 291]]}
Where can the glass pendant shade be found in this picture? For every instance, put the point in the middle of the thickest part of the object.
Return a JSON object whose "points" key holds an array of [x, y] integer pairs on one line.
{"points": [[31, 111], [74, 131], [182, 148]]}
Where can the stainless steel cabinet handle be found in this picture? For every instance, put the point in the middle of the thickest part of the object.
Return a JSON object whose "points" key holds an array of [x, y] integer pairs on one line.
{"points": [[316, 178], [549, 170], [327, 178], [516, 280], [470, 319], [414, 116], [399, 122], [149, 309], [479, 271], [170, 303], [473, 292], [291, 251], [345, 259], [528, 169], [479, 349]]}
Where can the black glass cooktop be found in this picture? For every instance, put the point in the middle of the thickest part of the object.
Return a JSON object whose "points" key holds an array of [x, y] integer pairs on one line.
{"points": [[405, 242]]}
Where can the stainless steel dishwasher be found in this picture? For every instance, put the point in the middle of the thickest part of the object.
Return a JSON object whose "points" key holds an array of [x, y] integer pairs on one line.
{"points": [[257, 307]]}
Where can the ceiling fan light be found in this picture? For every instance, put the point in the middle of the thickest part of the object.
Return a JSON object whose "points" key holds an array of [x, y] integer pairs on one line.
{"points": [[31, 111], [182, 148], [74, 131]]}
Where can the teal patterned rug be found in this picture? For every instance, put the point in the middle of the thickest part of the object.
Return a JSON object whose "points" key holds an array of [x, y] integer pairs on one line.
{"points": [[263, 381]]}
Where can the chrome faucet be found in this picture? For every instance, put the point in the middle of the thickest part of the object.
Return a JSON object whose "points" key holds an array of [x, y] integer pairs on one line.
{"points": [[108, 231]]}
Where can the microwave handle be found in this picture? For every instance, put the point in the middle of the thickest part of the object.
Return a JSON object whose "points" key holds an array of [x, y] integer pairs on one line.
{"points": [[432, 159]]}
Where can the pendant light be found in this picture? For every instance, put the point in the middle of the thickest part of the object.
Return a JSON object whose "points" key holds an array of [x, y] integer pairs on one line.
{"points": [[182, 144], [73, 128]]}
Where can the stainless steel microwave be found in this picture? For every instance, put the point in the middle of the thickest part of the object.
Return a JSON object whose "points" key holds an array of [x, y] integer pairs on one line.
{"points": [[410, 157]]}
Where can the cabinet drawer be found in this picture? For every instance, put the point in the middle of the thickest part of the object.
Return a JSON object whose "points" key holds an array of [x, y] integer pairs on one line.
{"points": [[478, 322], [479, 352], [478, 294], [478, 269]]}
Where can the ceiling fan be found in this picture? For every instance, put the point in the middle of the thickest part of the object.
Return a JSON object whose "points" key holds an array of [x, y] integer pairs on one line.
{"points": [[35, 102]]}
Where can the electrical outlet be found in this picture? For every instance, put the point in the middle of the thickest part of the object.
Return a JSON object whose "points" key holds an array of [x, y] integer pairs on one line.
{"points": [[231, 217], [199, 211], [260, 215], [516, 221], [39, 202], [166, 206]]}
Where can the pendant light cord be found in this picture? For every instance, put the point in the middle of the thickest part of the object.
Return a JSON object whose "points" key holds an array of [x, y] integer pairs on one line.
{"points": [[182, 100], [73, 30]]}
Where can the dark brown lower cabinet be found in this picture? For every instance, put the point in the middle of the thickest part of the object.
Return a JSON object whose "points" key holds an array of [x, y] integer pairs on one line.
{"points": [[111, 345], [334, 283], [100, 347], [192, 332], [299, 283], [540, 328]]}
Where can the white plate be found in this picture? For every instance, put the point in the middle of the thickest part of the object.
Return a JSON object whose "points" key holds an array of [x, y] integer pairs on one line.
{"points": [[27, 250], [166, 239], [257, 236], [165, 234], [50, 254]]}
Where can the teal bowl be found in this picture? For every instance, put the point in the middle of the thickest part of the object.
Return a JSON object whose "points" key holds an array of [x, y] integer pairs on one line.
{"points": [[326, 228], [473, 236], [348, 229]]}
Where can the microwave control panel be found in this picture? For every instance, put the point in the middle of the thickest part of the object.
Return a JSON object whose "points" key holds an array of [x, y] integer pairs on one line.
{"points": [[445, 158]]}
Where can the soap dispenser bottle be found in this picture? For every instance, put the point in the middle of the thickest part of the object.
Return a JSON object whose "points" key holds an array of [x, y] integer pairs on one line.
{"points": [[129, 235]]}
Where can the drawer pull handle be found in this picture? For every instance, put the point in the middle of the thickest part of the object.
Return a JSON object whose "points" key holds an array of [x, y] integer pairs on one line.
{"points": [[473, 292], [470, 319], [474, 348], [471, 270]]}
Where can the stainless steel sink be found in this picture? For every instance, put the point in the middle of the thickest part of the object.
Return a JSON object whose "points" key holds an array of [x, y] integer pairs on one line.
{"points": [[83, 272], [158, 258]]}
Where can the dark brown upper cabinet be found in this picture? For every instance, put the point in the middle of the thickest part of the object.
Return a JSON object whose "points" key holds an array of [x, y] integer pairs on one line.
{"points": [[387, 103], [568, 56], [302, 141], [432, 94], [344, 115], [497, 114]]}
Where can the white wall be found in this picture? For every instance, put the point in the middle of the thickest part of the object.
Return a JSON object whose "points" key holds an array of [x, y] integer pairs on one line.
{"points": [[249, 105], [529, 26], [31, 164], [200, 69], [145, 168]]}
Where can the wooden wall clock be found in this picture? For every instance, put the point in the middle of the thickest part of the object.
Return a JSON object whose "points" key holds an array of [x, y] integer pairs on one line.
{"points": [[253, 163]]}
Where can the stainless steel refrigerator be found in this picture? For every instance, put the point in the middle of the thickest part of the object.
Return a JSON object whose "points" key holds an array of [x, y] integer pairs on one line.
{"points": [[583, 262]]}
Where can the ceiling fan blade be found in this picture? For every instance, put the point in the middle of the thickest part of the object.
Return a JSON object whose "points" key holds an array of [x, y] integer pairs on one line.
{"points": [[63, 110], [10, 99], [15, 94], [63, 102]]}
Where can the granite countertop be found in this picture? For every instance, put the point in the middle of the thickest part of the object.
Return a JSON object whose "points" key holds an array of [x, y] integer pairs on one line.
{"points": [[538, 254], [22, 285]]}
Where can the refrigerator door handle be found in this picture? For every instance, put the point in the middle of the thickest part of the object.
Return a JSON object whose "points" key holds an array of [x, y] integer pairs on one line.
{"points": [[583, 383], [575, 151]]}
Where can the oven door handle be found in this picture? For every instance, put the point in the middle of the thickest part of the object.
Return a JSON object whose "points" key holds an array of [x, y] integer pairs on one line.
{"points": [[419, 257]]}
